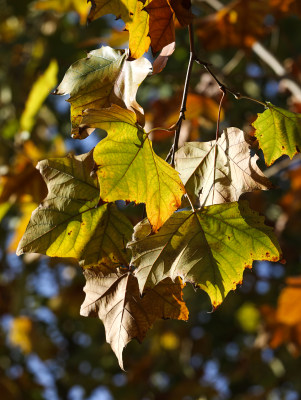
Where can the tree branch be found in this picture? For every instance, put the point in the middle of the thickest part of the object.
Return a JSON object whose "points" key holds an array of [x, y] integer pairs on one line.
{"points": [[175, 145], [268, 58]]}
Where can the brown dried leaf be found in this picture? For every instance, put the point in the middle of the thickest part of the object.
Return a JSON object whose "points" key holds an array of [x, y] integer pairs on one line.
{"points": [[161, 24], [114, 297]]}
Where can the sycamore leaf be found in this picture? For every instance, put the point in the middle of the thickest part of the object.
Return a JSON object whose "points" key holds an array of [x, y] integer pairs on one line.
{"points": [[209, 248], [39, 91], [103, 78], [129, 169], [278, 132], [182, 9], [236, 172], [239, 24], [161, 24], [135, 17], [63, 6], [114, 297], [69, 222]]}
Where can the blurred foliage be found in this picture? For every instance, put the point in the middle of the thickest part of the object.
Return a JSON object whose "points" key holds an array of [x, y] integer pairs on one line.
{"points": [[249, 348]]}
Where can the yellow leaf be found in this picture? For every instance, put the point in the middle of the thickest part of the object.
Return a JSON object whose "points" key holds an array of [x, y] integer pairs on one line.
{"points": [[129, 169], [19, 334], [64, 6], [26, 211], [135, 17], [37, 96]]}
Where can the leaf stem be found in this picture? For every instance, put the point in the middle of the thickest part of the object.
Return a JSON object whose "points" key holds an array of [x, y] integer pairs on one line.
{"points": [[216, 139], [190, 202]]}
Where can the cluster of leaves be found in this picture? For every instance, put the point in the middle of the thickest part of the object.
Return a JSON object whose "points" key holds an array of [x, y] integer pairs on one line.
{"points": [[135, 278]]}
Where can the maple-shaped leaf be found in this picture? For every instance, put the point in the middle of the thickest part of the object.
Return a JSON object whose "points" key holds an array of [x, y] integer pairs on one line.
{"points": [[114, 297], [239, 24], [278, 132], [103, 78], [128, 167], [161, 24], [69, 222], [218, 172], [63, 6], [209, 248], [134, 15]]}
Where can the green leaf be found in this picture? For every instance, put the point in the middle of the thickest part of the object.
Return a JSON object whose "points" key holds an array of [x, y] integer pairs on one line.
{"points": [[39, 91], [278, 132], [69, 222], [129, 169], [209, 248], [114, 297], [236, 172], [103, 78]]}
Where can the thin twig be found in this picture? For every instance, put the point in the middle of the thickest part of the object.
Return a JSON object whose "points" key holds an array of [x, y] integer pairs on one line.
{"points": [[268, 58], [193, 58], [184, 98]]}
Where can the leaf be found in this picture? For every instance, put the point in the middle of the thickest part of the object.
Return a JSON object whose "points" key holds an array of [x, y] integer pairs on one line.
{"points": [[209, 248], [103, 78], [20, 334], [39, 91], [239, 24], [114, 297], [22, 180], [283, 325], [69, 223], [4, 208], [161, 24], [289, 303], [278, 132], [161, 61], [26, 209], [182, 9], [63, 6], [135, 17], [286, 7], [236, 172], [129, 169], [165, 113]]}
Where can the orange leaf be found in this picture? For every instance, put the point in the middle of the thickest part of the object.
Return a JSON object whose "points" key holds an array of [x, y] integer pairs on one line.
{"points": [[239, 24]]}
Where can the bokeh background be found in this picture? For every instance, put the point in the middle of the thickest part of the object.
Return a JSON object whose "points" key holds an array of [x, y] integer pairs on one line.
{"points": [[249, 348]]}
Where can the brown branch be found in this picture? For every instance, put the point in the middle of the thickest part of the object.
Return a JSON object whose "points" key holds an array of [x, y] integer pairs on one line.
{"points": [[194, 58]]}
